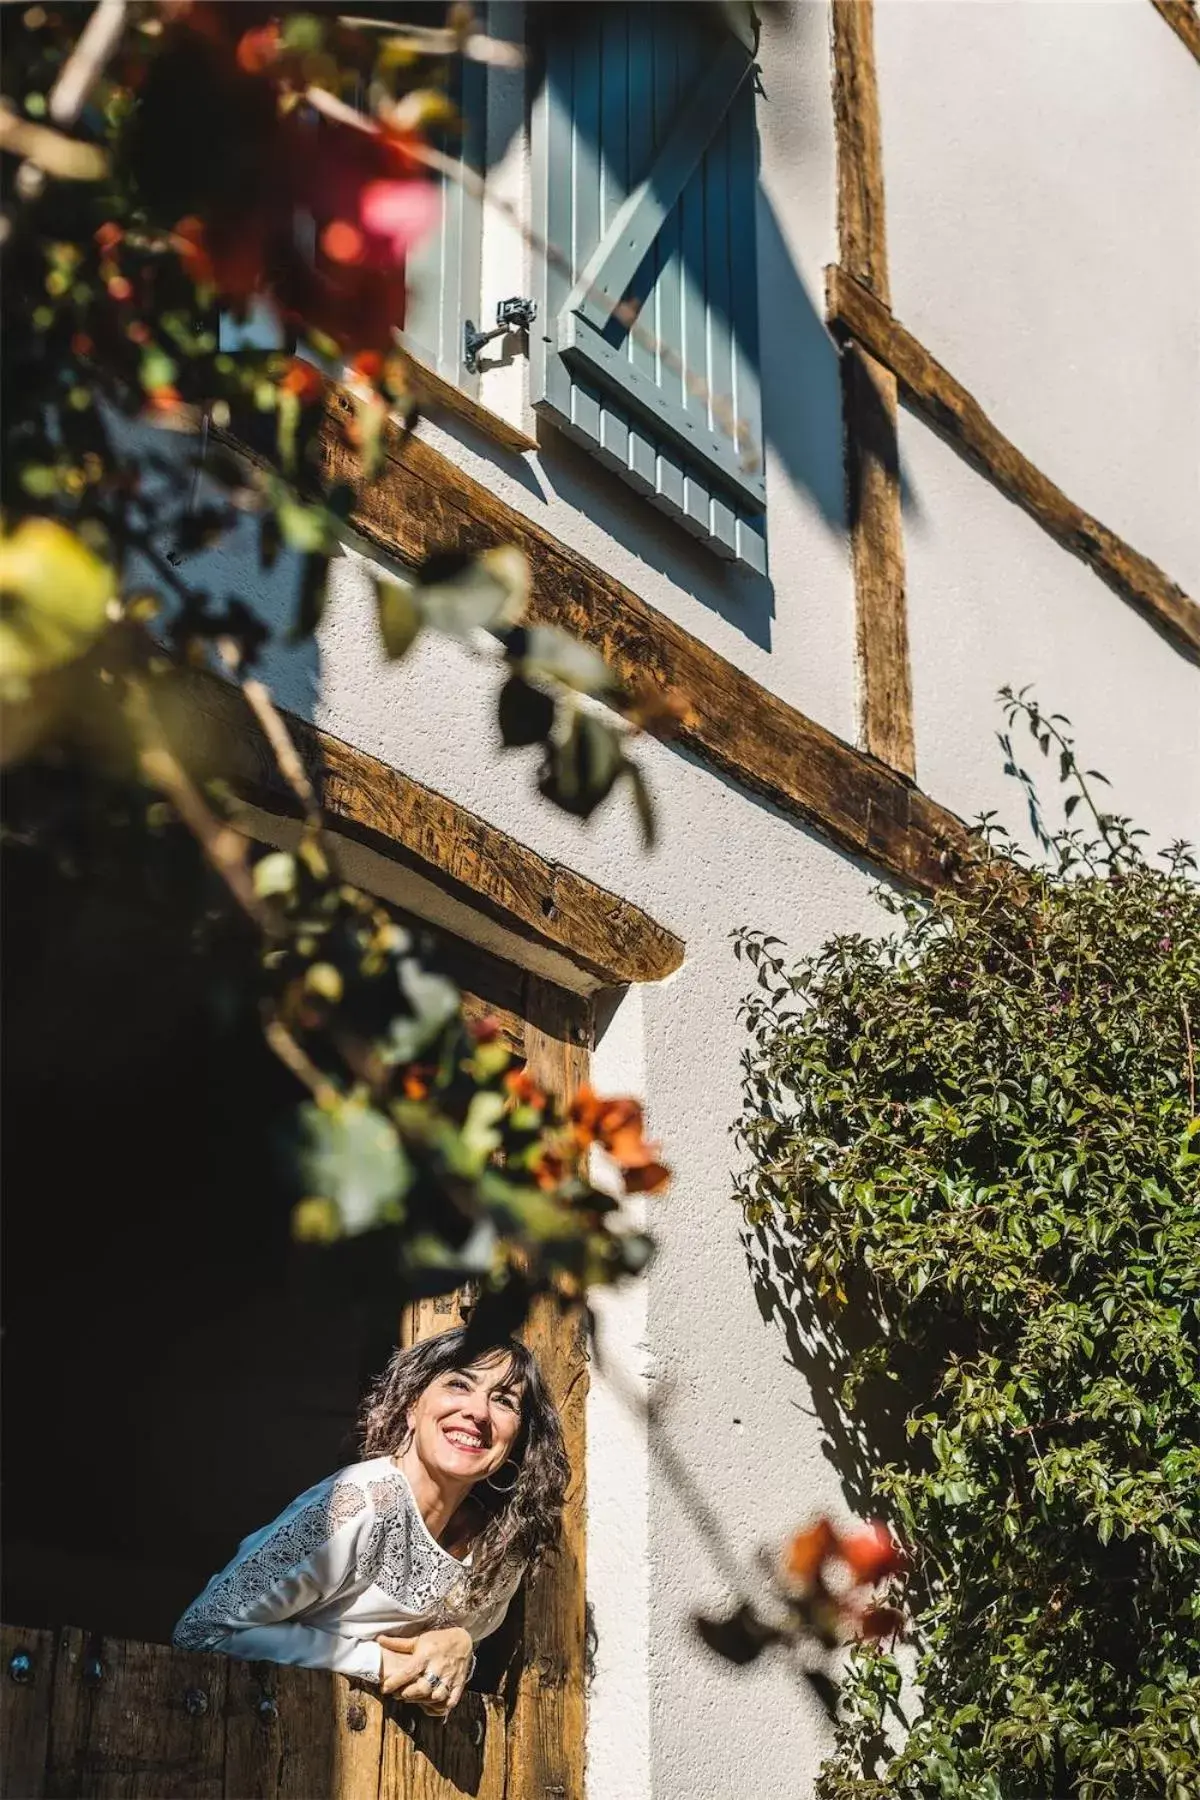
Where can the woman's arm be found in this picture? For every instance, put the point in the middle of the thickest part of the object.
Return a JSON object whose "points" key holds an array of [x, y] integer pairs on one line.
{"points": [[306, 1558]]}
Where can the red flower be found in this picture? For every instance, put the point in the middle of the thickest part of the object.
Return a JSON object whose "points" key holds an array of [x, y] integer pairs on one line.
{"points": [[870, 1553], [487, 1029], [303, 380]]}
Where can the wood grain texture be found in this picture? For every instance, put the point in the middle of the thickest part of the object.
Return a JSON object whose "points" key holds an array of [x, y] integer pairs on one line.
{"points": [[933, 392], [612, 939], [292, 1733], [25, 1713], [135, 1721], [1184, 19], [426, 1760], [862, 221], [873, 505], [423, 502], [873, 502], [548, 1719]]}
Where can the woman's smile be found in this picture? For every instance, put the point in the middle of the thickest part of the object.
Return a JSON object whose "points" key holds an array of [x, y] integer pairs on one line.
{"points": [[463, 1439]]}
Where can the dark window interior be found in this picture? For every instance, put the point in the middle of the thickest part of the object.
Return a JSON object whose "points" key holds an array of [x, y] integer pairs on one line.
{"points": [[175, 1369]]}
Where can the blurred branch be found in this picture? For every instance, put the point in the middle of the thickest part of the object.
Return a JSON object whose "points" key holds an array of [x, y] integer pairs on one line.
{"points": [[93, 47]]}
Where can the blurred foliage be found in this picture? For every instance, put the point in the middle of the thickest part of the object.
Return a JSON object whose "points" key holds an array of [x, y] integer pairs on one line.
{"points": [[201, 160], [976, 1142]]}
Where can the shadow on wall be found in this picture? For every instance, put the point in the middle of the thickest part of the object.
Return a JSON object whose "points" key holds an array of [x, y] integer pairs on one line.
{"points": [[821, 1341]]}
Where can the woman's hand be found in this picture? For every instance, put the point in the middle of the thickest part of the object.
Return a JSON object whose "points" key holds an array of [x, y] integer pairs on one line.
{"points": [[409, 1662]]}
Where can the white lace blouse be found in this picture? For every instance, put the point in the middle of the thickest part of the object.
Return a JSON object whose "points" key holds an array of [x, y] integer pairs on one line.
{"points": [[347, 1560]]}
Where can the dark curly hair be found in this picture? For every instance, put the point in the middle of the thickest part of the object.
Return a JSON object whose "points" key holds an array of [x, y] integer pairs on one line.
{"points": [[521, 1526]]}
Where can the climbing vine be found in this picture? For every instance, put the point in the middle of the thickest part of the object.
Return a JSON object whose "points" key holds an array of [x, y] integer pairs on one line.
{"points": [[974, 1155]]}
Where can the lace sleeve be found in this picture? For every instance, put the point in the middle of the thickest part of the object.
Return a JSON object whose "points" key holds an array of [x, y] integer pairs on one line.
{"points": [[253, 1608]]}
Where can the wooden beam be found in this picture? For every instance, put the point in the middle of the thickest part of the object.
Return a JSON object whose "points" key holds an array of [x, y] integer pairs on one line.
{"points": [[547, 1725], [869, 405], [1184, 20], [423, 503], [934, 393], [363, 798]]}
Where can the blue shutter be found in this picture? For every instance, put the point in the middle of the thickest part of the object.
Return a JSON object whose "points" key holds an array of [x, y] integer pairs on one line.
{"points": [[444, 272], [645, 181]]}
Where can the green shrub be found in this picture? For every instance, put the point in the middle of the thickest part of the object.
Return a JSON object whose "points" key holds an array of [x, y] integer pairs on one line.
{"points": [[974, 1142]]}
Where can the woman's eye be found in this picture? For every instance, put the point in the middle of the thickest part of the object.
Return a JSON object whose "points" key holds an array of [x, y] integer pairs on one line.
{"points": [[507, 1400]]}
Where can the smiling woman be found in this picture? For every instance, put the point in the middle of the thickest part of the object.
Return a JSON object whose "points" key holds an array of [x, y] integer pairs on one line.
{"points": [[393, 1568]]}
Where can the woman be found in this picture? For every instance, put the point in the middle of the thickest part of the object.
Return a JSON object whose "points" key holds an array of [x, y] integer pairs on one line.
{"points": [[394, 1568]]}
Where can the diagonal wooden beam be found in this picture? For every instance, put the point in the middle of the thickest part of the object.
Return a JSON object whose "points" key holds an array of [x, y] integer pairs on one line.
{"points": [[854, 312], [869, 404], [1184, 20], [423, 503]]}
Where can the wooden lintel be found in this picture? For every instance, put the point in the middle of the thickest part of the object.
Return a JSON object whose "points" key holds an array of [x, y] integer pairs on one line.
{"points": [[857, 314], [423, 502], [1184, 19], [869, 405], [362, 798]]}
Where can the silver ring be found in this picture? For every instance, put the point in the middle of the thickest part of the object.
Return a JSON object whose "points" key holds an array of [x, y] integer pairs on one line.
{"points": [[435, 1681]]}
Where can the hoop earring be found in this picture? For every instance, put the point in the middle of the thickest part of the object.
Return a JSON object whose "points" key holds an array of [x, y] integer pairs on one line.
{"points": [[512, 1486]]}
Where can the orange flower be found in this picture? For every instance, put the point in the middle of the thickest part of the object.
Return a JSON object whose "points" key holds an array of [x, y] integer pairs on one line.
{"points": [[808, 1551], [524, 1089], [550, 1169], [303, 380], [108, 236], [258, 49], [369, 365], [416, 1082], [164, 399], [871, 1553], [647, 1178]]}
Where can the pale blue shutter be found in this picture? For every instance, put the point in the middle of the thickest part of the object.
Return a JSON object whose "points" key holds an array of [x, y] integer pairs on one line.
{"points": [[444, 272], [645, 179]]}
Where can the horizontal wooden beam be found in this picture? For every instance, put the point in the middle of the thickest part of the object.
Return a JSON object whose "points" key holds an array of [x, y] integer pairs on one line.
{"points": [[1184, 20], [931, 390], [364, 799], [423, 503]]}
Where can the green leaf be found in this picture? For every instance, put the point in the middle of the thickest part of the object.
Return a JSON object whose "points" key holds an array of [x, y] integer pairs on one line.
{"points": [[581, 768], [55, 594], [400, 617], [526, 713], [353, 1157], [463, 594], [275, 874], [549, 653]]}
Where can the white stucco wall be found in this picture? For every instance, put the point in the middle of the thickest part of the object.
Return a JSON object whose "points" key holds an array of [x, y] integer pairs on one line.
{"points": [[1044, 242]]}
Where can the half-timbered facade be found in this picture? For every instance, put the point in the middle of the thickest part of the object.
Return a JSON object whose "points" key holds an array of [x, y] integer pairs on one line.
{"points": [[852, 374]]}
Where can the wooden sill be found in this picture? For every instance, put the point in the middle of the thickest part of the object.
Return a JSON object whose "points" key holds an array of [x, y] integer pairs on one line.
{"points": [[434, 394]]}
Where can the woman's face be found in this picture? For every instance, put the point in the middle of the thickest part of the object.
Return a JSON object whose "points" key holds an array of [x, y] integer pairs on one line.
{"points": [[466, 1421]]}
